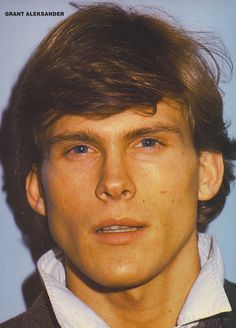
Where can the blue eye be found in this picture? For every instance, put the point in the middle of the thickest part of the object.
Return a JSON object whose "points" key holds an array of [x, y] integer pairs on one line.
{"points": [[148, 142], [81, 149]]}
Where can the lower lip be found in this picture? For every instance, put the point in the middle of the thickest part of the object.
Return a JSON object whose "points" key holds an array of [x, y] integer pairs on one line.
{"points": [[119, 238]]}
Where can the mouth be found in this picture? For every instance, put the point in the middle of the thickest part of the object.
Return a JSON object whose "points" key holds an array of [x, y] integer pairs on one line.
{"points": [[119, 231]]}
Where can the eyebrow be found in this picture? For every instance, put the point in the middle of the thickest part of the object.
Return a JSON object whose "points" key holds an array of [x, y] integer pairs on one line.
{"points": [[88, 135], [160, 127]]}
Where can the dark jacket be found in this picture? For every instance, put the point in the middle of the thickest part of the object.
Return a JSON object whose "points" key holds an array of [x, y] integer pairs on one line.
{"points": [[41, 315]]}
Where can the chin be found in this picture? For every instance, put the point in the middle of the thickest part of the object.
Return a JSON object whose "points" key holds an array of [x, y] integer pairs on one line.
{"points": [[122, 281]]}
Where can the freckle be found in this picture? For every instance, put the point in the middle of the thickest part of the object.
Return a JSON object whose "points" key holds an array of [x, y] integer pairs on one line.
{"points": [[143, 201], [173, 201], [163, 191]]}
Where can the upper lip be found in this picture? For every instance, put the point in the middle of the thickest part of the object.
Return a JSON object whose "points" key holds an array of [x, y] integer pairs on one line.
{"points": [[118, 222]]}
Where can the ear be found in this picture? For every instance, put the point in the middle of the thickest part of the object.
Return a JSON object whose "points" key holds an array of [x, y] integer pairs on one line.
{"points": [[34, 192], [210, 174]]}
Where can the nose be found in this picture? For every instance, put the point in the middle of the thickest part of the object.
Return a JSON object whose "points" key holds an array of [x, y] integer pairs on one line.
{"points": [[115, 182]]}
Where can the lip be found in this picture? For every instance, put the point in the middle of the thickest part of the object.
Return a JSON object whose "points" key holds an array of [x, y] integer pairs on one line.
{"points": [[119, 238]]}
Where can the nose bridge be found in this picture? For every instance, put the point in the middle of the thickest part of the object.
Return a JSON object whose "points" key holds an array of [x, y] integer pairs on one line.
{"points": [[115, 181]]}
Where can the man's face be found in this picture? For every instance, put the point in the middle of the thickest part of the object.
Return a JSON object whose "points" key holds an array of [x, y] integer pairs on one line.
{"points": [[121, 193]]}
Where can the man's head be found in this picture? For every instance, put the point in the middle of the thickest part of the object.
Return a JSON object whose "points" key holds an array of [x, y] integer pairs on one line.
{"points": [[103, 60], [121, 190]]}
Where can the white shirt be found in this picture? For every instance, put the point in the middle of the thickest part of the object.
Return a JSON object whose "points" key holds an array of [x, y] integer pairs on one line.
{"points": [[206, 298]]}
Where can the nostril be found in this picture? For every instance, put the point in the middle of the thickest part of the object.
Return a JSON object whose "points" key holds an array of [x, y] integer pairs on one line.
{"points": [[125, 193], [115, 187]]}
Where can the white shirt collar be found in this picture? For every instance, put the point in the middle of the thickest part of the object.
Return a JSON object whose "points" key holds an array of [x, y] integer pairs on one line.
{"points": [[70, 311], [206, 298]]}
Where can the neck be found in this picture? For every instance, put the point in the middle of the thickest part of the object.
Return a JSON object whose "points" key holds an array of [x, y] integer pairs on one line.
{"points": [[157, 303]]}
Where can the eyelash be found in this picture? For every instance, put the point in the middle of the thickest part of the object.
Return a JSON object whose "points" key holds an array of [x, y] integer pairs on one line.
{"points": [[154, 143], [73, 152]]}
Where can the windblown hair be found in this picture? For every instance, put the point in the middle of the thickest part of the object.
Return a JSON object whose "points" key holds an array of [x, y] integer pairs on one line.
{"points": [[103, 60]]}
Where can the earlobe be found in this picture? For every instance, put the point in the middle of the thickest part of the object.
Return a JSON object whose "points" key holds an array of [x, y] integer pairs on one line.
{"points": [[34, 192], [210, 174]]}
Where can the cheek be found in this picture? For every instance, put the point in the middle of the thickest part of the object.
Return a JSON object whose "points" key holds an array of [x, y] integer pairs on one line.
{"points": [[170, 189], [66, 201], [169, 180], [170, 197], [66, 188]]}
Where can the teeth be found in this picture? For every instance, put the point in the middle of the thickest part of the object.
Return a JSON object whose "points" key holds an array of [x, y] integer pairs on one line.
{"points": [[117, 228]]}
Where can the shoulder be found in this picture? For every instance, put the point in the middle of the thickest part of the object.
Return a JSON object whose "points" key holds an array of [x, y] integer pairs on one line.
{"points": [[230, 289], [39, 315]]}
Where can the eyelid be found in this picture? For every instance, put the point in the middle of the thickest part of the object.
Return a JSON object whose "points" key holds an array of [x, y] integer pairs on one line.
{"points": [[157, 140], [91, 149]]}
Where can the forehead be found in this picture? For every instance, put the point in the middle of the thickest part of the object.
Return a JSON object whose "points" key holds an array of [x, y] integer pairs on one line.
{"points": [[168, 113]]}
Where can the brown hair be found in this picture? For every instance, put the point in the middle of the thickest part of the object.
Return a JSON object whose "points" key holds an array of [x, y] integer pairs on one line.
{"points": [[104, 59]]}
